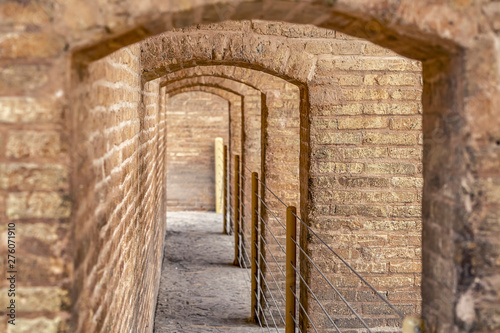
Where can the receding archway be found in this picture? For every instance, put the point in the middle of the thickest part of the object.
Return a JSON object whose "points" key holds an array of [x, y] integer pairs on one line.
{"points": [[446, 78]]}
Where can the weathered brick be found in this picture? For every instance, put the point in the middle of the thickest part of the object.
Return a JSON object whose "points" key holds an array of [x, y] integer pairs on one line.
{"points": [[392, 225], [350, 80], [406, 211], [407, 182], [373, 49], [391, 281], [362, 153], [405, 267], [40, 324], [33, 13], [327, 66], [324, 124], [22, 177], [363, 182], [328, 153], [377, 268], [390, 168], [37, 205], [347, 109], [371, 211], [351, 47], [386, 108], [406, 123], [390, 79], [390, 197], [32, 45], [405, 139], [338, 138], [30, 144], [334, 167], [365, 94], [35, 299], [410, 153], [361, 123], [318, 47], [25, 109], [23, 76], [403, 94]]}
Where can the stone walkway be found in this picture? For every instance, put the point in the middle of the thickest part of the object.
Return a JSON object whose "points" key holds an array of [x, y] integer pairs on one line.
{"points": [[200, 290]]}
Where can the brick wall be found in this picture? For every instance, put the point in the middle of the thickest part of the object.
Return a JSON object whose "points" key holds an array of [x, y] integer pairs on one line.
{"points": [[367, 176], [120, 203], [194, 120]]}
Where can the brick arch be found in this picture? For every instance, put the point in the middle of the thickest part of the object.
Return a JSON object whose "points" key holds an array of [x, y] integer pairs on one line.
{"points": [[250, 139], [234, 98], [278, 161], [396, 26], [278, 96], [254, 80]]}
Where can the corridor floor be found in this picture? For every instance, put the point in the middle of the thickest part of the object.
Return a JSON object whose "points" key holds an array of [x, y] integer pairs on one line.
{"points": [[200, 289]]}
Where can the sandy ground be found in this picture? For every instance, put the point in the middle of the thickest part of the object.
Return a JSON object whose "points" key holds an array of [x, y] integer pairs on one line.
{"points": [[200, 289]]}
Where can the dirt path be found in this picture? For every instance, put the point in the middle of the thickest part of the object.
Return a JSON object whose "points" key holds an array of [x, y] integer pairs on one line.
{"points": [[200, 291]]}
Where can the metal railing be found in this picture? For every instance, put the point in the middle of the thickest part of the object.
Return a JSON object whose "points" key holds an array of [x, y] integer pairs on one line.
{"points": [[270, 263]]}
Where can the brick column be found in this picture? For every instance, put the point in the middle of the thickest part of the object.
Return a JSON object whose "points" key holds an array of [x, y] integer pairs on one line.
{"points": [[35, 179]]}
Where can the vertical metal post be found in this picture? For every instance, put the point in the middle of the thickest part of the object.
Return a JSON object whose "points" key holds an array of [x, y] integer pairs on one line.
{"points": [[255, 249], [224, 211], [236, 210], [291, 262], [219, 173], [261, 253]]}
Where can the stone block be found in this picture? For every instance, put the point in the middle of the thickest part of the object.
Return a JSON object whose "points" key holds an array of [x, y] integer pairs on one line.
{"points": [[25, 177], [362, 123], [390, 168], [34, 144], [337, 138], [404, 139], [37, 205], [30, 45]]}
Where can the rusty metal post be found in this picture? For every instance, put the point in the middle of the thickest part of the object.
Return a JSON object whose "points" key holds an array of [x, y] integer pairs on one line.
{"points": [[261, 253], [236, 210], [219, 173], [291, 262], [255, 249], [224, 211]]}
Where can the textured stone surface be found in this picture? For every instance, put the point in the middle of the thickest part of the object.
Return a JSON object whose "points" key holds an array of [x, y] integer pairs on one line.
{"points": [[200, 291]]}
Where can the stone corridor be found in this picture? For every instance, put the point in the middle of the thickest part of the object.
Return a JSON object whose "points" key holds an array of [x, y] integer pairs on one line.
{"points": [[200, 289], [377, 120]]}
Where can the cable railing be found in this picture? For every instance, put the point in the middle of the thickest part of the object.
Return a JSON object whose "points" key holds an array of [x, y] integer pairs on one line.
{"points": [[271, 263]]}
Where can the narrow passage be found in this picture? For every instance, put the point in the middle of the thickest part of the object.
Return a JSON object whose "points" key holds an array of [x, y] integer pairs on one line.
{"points": [[200, 289]]}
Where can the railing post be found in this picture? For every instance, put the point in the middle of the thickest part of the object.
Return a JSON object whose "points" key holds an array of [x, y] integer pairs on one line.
{"points": [[255, 249], [262, 251], [236, 210], [224, 211], [219, 173], [291, 262]]}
